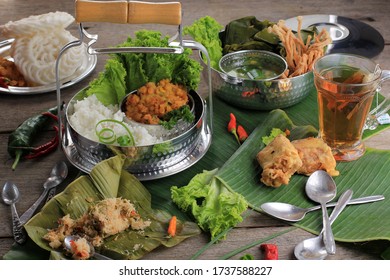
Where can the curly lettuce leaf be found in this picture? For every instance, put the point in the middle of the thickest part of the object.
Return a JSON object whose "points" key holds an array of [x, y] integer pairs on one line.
{"points": [[154, 67], [206, 30], [128, 71], [109, 87], [212, 204], [274, 132]]}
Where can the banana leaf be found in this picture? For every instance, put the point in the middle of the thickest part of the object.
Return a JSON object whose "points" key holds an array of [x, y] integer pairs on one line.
{"points": [[367, 176], [224, 146], [109, 179]]}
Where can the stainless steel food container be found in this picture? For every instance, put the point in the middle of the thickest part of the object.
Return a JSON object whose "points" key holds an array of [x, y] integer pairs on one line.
{"points": [[152, 161], [146, 162], [261, 95]]}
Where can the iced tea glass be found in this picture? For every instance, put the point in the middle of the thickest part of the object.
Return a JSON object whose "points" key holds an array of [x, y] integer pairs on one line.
{"points": [[346, 85]]}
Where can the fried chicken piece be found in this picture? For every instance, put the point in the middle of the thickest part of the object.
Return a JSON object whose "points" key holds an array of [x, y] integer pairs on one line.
{"points": [[315, 155], [279, 160], [9, 70]]}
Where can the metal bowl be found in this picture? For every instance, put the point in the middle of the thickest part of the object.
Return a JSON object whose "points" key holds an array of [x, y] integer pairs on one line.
{"points": [[260, 95], [158, 130], [145, 162], [253, 65]]}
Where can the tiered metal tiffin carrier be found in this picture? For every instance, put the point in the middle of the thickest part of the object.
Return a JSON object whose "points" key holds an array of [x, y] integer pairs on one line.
{"points": [[186, 148]]}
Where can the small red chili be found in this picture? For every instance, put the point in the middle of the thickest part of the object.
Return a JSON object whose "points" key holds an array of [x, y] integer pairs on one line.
{"points": [[232, 126], [45, 148], [242, 134], [50, 114], [270, 251], [249, 93], [172, 226]]}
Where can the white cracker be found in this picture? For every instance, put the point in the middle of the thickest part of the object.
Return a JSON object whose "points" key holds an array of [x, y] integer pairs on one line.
{"points": [[36, 24]]}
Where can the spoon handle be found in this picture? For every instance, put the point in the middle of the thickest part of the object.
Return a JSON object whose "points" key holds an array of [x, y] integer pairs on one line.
{"points": [[359, 200], [328, 237], [341, 204], [98, 256], [17, 227], [51, 194], [30, 211], [343, 201]]}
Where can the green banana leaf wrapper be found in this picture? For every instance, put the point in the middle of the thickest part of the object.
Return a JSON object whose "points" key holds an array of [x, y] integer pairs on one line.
{"points": [[108, 179], [367, 176]]}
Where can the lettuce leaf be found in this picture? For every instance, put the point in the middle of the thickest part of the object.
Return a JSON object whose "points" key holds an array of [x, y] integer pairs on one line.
{"points": [[128, 71], [206, 30], [154, 67], [274, 132], [109, 87], [212, 204]]}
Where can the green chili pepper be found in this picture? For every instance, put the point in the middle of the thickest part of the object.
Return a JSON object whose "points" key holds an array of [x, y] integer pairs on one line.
{"points": [[20, 141]]}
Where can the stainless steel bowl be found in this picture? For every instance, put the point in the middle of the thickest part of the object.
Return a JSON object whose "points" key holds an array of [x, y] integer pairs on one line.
{"points": [[253, 65], [145, 162], [260, 95], [158, 130]]}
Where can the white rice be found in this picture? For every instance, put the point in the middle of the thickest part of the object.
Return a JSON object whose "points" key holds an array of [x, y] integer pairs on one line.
{"points": [[89, 111]]}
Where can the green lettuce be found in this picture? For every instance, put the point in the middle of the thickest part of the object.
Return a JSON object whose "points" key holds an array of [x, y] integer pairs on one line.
{"points": [[128, 71], [109, 87], [153, 67], [206, 30], [213, 205], [274, 132]]}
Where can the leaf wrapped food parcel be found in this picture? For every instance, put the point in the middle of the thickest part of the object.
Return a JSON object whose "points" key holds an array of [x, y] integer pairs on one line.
{"points": [[108, 179]]}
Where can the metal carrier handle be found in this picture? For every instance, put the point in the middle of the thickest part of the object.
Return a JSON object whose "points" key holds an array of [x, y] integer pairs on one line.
{"points": [[131, 12]]}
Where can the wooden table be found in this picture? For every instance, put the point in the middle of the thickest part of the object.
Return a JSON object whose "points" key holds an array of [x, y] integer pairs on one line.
{"points": [[30, 175]]}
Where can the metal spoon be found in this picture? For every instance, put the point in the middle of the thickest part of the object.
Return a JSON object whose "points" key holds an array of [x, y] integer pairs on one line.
{"points": [[314, 248], [10, 195], [292, 213], [92, 253], [321, 188], [57, 175]]}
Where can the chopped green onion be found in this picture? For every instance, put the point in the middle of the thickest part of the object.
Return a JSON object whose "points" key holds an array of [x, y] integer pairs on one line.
{"points": [[107, 135]]}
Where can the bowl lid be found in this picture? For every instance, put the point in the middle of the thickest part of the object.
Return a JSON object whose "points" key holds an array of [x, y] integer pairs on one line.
{"points": [[348, 35]]}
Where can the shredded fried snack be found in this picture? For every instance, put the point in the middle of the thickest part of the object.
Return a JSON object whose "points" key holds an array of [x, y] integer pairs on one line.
{"points": [[279, 160], [108, 217], [300, 55], [315, 155]]}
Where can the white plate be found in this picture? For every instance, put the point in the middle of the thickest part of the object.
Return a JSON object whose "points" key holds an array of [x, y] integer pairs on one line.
{"points": [[83, 71]]}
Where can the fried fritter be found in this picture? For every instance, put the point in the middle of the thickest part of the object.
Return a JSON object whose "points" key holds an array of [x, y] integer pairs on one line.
{"points": [[9, 70], [279, 160], [315, 155]]}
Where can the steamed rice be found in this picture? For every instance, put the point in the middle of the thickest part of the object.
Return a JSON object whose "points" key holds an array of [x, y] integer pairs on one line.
{"points": [[89, 111]]}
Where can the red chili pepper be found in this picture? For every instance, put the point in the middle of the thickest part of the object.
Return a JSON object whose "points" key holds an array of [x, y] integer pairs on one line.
{"points": [[232, 126], [50, 114], [270, 251], [242, 134], [250, 92], [172, 226], [45, 148]]}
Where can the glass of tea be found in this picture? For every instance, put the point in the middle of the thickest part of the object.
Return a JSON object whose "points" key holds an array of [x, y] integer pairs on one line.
{"points": [[346, 85]]}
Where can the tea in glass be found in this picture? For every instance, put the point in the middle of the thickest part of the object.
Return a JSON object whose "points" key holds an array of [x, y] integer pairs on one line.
{"points": [[346, 85]]}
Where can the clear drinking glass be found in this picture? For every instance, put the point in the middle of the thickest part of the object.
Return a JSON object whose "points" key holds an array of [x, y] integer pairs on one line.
{"points": [[346, 85]]}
